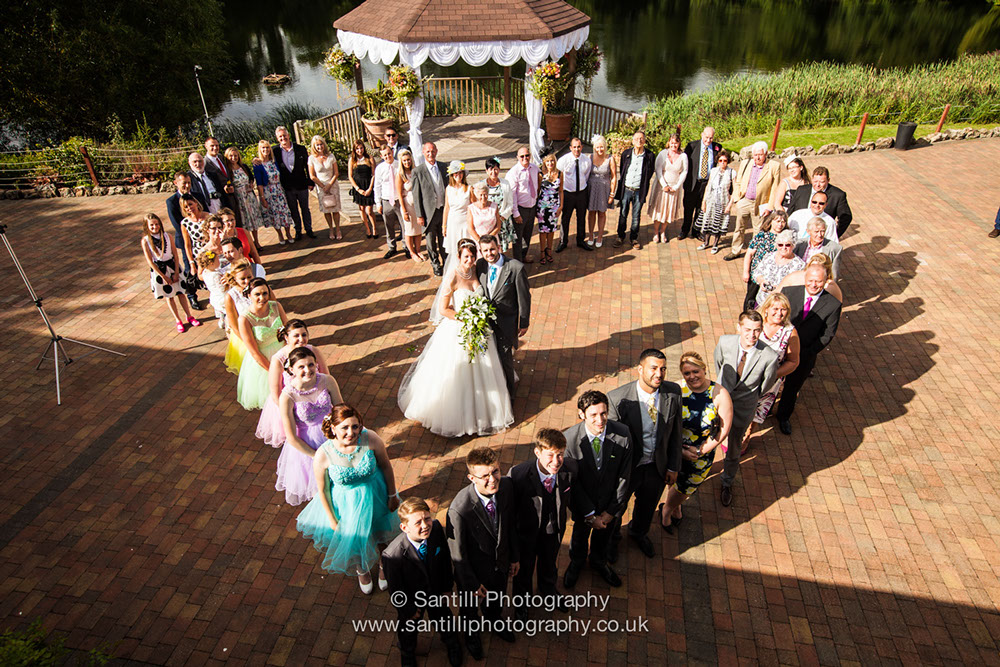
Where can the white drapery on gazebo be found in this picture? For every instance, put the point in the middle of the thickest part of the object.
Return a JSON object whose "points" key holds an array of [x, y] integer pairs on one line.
{"points": [[549, 30]]}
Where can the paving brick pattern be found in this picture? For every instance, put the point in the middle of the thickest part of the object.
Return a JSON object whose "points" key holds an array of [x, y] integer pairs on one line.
{"points": [[142, 512]]}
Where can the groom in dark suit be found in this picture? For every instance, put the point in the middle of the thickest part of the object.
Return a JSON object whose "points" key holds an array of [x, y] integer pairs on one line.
{"points": [[506, 286]]}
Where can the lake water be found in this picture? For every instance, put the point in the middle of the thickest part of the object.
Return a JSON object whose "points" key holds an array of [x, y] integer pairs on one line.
{"points": [[652, 47]]}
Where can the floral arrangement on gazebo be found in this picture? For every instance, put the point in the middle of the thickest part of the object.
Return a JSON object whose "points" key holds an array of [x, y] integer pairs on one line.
{"points": [[550, 82], [340, 65]]}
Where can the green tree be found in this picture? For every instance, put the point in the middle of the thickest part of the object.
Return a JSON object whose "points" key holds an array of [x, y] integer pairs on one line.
{"points": [[69, 64]]}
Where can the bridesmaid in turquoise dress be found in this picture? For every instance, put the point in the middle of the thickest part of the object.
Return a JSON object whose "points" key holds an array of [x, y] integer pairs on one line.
{"points": [[706, 417], [259, 329], [353, 513]]}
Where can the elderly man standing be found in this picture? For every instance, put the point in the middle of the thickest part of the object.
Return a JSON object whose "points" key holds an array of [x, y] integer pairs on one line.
{"points": [[816, 243], [429, 182], [523, 179], [836, 199], [292, 162], [637, 165], [816, 316], [756, 187], [702, 156], [205, 185], [575, 168]]}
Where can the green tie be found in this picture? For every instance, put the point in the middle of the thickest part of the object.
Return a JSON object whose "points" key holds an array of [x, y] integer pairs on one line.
{"points": [[597, 447]]}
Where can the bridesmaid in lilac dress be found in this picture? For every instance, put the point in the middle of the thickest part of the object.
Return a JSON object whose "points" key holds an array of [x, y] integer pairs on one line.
{"points": [[306, 399]]}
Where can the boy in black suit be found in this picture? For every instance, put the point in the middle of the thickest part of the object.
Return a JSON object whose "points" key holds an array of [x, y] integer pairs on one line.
{"points": [[418, 562], [480, 529], [602, 450], [541, 493]]}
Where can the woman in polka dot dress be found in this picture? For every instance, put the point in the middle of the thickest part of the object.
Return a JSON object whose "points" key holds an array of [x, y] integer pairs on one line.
{"points": [[165, 277]]}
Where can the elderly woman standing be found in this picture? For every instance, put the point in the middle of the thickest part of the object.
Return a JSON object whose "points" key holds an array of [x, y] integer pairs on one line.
{"points": [[484, 215], [603, 178], [324, 173], [762, 245], [273, 203], [246, 199], [668, 205], [779, 334], [716, 204], [499, 192], [775, 266]]}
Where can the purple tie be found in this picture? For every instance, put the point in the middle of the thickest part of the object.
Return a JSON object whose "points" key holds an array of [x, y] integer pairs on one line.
{"points": [[550, 483], [806, 306], [491, 509]]}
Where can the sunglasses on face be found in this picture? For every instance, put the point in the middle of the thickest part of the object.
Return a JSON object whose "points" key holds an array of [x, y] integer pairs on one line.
{"points": [[783, 245], [821, 203], [390, 136]]}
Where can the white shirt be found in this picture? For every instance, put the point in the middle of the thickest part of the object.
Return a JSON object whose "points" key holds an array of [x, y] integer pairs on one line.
{"points": [[633, 178], [416, 545], [491, 277], [798, 222], [385, 183], [486, 501], [567, 165], [524, 184], [288, 157]]}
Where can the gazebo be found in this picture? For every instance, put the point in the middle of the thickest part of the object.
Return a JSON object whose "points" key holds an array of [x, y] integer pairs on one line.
{"points": [[477, 31]]}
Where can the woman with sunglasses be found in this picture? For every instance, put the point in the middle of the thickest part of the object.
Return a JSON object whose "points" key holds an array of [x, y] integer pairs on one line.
{"points": [[774, 267]]}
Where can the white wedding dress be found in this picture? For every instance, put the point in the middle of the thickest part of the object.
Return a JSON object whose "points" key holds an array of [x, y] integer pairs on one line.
{"points": [[450, 395]]}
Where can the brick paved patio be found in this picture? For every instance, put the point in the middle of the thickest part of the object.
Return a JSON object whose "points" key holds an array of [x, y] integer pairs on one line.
{"points": [[142, 512]]}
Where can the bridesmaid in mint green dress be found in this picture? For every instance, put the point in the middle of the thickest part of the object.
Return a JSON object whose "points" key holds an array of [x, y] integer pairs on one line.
{"points": [[259, 328], [353, 514]]}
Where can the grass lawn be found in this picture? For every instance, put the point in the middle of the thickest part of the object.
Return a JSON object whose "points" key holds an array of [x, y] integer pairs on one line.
{"points": [[837, 135]]}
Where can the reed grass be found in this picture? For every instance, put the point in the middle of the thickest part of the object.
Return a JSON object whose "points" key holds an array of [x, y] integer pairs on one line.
{"points": [[245, 131], [824, 94]]}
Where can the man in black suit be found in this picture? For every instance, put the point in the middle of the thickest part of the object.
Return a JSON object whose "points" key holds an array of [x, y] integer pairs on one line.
{"points": [[506, 286], [392, 141], [816, 315], [602, 450], [429, 182], [216, 164], [836, 199], [542, 490], [292, 161], [418, 564], [480, 528], [209, 185], [637, 166], [702, 156], [182, 181], [651, 409]]}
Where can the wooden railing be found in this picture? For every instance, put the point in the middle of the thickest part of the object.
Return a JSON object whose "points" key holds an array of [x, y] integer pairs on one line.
{"points": [[593, 118], [345, 124], [464, 96]]}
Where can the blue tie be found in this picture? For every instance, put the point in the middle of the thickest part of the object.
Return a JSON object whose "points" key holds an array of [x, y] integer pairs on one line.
{"points": [[422, 550], [493, 274]]}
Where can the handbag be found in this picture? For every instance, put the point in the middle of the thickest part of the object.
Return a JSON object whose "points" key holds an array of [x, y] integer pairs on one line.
{"points": [[330, 201]]}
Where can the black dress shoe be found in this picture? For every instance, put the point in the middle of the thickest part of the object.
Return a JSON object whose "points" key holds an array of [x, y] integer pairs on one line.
{"points": [[438, 271], [785, 426], [584, 246], [572, 574], [389, 253], [298, 235], [644, 544], [727, 496], [408, 255], [193, 300], [608, 575], [474, 646], [310, 235], [682, 236], [561, 247], [504, 634], [455, 653]]}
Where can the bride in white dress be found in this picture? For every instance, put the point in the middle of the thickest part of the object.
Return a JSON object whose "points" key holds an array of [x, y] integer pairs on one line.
{"points": [[443, 390]]}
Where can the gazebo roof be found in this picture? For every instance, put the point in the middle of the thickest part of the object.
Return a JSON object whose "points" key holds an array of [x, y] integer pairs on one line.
{"points": [[438, 21]]}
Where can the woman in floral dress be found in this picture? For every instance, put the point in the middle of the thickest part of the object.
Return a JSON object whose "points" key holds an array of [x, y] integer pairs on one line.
{"points": [[273, 203], [246, 199]]}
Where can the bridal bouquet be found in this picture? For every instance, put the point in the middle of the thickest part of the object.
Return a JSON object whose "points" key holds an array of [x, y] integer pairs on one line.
{"points": [[475, 315]]}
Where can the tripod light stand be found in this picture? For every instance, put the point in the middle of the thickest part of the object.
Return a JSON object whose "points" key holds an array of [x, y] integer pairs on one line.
{"points": [[56, 342]]}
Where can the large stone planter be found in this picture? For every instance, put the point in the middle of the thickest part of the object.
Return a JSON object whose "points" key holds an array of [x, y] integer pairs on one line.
{"points": [[558, 126]]}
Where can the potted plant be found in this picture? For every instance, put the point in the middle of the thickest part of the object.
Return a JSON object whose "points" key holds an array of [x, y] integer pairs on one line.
{"points": [[405, 84], [381, 110], [549, 82], [340, 65], [588, 64]]}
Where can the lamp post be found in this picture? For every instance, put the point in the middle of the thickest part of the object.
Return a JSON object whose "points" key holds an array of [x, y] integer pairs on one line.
{"points": [[208, 120]]}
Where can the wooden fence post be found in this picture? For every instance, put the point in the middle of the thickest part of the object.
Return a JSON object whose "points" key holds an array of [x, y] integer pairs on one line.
{"points": [[297, 131], [506, 90], [90, 166], [944, 115], [777, 128], [861, 132], [359, 84]]}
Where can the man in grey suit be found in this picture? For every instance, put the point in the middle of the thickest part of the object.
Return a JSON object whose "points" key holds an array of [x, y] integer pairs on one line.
{"points": [[818, 243], [745, 367], [651, 409], [506, 286], [429, 182], [602, 450], [480, 528]]}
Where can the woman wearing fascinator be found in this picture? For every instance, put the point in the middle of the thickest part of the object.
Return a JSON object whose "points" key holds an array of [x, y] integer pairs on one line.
{"points": [[444, 390]]}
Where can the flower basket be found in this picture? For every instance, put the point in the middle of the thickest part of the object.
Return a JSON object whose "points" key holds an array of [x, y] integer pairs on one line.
{"points": [[588, 64], [548, 82], [340, 65], [404, 84]]}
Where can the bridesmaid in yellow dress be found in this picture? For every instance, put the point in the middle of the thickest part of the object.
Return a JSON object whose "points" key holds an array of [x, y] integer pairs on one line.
{"points": [[237, 279]]}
